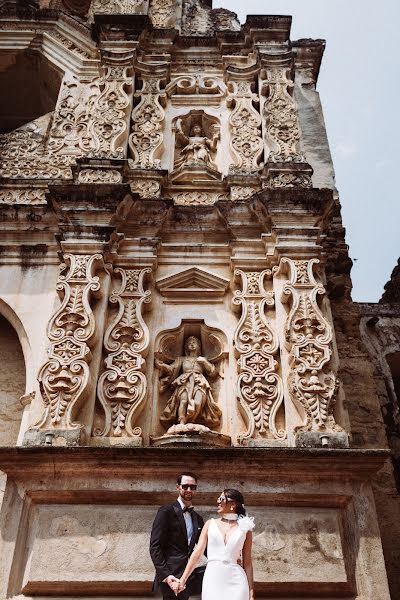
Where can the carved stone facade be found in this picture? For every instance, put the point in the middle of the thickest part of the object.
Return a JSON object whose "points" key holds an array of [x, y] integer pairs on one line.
{"points": [[202, 317]]}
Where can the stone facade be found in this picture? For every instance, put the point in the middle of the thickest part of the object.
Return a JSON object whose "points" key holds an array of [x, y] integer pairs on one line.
{"points": [[175, 291]]}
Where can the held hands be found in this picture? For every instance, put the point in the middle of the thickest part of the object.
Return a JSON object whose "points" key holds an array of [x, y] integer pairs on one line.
{"points": [[173, 583], [181, 586]]}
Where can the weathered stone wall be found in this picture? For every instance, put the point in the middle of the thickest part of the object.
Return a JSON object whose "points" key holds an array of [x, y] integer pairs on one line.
{"points": [[12, 384]]}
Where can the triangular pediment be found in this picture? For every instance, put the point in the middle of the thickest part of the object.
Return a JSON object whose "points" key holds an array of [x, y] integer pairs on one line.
{"points": [[192, 285]]}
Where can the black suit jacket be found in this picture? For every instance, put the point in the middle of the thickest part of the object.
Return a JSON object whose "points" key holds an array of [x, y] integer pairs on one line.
{"points": [[169, 548]]}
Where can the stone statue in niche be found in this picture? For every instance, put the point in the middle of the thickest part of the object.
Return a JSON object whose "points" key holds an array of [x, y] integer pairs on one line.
{"points": [[196, 141], [192, 399], [196, 147], [190, 361]]}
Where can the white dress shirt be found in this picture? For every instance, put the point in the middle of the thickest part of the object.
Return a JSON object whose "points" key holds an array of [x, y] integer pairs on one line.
{"points": [[188, 520]]}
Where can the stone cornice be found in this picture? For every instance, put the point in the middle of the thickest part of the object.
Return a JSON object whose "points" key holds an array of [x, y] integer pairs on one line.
{"points": [[297, 463]]}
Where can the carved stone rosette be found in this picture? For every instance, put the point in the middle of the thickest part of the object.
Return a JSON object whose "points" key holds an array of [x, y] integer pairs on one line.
{"points": [[122, 387], [245, 125], [64, 378], [259, 385], [145, 141], [287, 165], [312, 380]]}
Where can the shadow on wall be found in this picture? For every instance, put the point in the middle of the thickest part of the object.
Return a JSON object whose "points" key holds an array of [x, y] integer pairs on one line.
{"points": [[12, 383]]}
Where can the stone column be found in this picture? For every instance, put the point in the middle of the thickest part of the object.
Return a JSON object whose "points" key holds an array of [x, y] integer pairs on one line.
{"points": [[68, 378], [122, 387], [245, 129], [285, 165], [259, 385]]}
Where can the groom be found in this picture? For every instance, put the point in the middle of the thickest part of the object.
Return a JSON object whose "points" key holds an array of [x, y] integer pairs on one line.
{"points": [[176, 530]]}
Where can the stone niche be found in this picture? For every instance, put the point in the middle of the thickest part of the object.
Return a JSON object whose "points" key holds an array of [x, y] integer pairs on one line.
{"points": [[190, 361]]}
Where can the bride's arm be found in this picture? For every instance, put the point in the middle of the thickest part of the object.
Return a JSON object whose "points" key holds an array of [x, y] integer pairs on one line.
{"points": [[196, 555], [248, 563]]}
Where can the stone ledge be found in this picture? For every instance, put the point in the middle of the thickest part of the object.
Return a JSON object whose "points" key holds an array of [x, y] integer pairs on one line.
{"points": [[302, 463]]}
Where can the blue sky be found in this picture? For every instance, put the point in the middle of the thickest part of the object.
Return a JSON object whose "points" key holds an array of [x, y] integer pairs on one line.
{"points": [[360, 93]]}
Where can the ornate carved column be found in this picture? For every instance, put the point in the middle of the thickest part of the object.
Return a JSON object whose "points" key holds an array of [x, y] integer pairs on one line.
{"points": [[145, 141], [64, 378], [122, 387], [286, 165], [259, 385], [245, 128], [312, 379], [87, 217]]}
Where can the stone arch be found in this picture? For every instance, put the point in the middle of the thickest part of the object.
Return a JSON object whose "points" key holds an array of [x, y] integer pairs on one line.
{"points": [[12, 381]]}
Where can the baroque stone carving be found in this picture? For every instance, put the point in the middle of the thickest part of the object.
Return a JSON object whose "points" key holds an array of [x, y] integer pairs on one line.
{"points": [[93, 120], [99, 176], [23, 196], [280, 116], [242, 193], [201, 88], [145, 141], [122, 387], [312, 381], [146, 188], [162, 13], [122, 7], [259, 385], [197, 198], [24, 154], [281, 180], [192, 399], [245, 125], [64, 378], [195, 144]]}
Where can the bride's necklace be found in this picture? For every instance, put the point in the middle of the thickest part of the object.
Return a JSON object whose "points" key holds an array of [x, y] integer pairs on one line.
{"points": [[230, 517]]}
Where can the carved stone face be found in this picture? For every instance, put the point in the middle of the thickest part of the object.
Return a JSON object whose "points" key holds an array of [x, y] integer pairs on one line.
{"points": [[193, 344], [196, 131]]}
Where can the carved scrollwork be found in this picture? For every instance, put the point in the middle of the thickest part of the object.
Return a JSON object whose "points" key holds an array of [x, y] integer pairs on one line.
{"points": [[122, 7], [122, 387], [64, 378], [259, 385], [162, 13], [245, 124], [312, 381], [280, 115], [145, 141]]}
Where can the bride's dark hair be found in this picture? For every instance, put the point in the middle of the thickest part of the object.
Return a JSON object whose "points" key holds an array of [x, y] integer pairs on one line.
{"points": [[237, 497]]}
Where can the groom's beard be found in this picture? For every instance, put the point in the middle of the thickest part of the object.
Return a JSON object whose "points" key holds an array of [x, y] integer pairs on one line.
{"points": [[187, 496]]}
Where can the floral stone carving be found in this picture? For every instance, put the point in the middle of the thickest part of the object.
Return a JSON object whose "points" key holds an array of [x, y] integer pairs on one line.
{"points": [[122, 387], [313, 383], [145, 141], [245, 124], [64, 378], [259, 385], [162, 13], [122, 7], [280, 115]]}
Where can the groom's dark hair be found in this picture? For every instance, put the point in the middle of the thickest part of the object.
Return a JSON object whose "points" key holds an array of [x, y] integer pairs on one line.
{"points": [[185, 474]]}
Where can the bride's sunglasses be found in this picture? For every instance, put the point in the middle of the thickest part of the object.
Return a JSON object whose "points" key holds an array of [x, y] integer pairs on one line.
{"points": [[189, 486]]}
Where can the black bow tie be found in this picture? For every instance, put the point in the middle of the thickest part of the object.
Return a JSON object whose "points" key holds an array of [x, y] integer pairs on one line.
{"points": [[188, 509]]}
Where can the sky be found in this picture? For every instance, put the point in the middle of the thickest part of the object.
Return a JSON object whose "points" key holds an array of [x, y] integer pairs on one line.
{"points": [[359, 85]]}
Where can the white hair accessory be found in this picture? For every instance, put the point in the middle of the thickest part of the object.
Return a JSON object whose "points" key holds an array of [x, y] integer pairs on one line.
{"points": [[246, 523]]}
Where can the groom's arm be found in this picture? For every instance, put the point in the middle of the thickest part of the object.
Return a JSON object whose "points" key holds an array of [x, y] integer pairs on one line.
{"points": [[158, 538]]}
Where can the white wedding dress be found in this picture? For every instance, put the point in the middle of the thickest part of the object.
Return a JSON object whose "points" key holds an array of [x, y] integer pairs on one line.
{"points": [[224, 579]]}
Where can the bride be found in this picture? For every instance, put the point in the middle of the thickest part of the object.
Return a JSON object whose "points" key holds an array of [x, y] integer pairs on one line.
{"points": [[228, 540]]}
